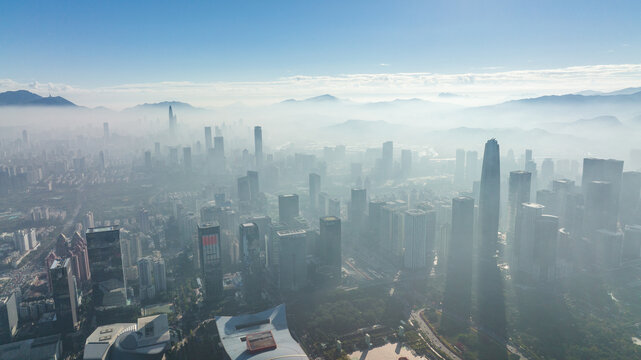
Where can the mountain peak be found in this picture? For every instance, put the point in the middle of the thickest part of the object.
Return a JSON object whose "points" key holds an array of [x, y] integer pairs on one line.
{"points": [[27, 98]]}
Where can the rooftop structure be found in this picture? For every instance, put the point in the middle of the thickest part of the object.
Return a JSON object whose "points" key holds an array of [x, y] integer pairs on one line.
{"points": [[260, 336]]}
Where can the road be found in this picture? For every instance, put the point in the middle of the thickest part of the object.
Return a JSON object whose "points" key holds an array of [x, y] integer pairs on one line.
{"points": [[432, 337]]}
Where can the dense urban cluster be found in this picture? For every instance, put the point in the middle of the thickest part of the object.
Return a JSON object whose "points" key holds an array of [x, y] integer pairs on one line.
{"points": [[177, 246]]}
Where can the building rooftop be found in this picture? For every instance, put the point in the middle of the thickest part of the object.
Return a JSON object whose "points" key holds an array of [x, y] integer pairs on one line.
{"points": [[43, 348], [102, 229], [267, 332]]}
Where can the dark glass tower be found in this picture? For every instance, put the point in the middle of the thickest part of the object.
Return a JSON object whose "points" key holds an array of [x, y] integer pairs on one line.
{"points": [[210, 259], [457, 303], [258, 146]]}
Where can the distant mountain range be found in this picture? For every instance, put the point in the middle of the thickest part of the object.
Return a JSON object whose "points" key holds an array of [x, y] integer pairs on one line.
{"points": [[327, 98], [27, 98], [163, 105]]}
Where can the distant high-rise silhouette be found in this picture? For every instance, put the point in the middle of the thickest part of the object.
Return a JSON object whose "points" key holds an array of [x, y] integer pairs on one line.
{"points": [[172, 120], [288, 208], [258, 146], [459, 172], [388, 159], [314, 191], [518, 193], [415, 235], [330, 244], [208, 143]]}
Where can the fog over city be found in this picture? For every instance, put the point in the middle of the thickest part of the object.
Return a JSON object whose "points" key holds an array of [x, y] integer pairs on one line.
{"points": [[320, 180]]}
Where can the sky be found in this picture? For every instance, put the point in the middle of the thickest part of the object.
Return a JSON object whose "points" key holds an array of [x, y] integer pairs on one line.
{"points": [[119, 53]]}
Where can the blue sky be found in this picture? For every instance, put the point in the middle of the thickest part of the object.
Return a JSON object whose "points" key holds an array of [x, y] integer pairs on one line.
{"points": [[92, 44]]}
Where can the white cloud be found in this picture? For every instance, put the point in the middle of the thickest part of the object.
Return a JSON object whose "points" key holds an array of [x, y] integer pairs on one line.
{"points": [[474, 88]]}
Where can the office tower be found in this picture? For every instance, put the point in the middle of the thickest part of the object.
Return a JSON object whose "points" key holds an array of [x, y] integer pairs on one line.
{"points": [[187, 159], [210, 259], [330, 245], [314, 190], [631, 243], [258, 146], [65, 295], [147, 159], [105, 130], [547, 173], [387, 161], [358, 206], [607, 245], [288, 208], [374, 221], [491, 299], [244, 193], [471, 167], [160, 274], [597, 212], [145, 278], [546, 229], [415, 236], [457, 302], [254, 186], [525, 237], [518, 193], [76, 251], [528, 155], [173, 156], [406, 163], [105, 262], [604, 170], [629, 199], [8, 318], [172, 120], [156, 149], [547, 198], [430, 244], [292, 265], [251, 265], [208, 143], [459, 172], [87, 221], [219, 146]]}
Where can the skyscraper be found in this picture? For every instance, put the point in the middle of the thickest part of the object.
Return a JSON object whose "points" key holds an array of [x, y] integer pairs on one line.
{"points": [[172, 120], [314, 190], [288, 208], [65, 295], [330, 244], [491, 298], [525, 238], [358, 206], [518, 193], [105, 131], [258, 146], [292, 265], [8, 318], [146, 278], [251, 265], [105, 262], [415, 235], [471, 167], [629, 199], [406, 162], [604, 170], [388, 159], [147, 159], [254, 185], [208, 143], [210, 259], [597, 213], [187, 159], [457, 302], [546, 229]]}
